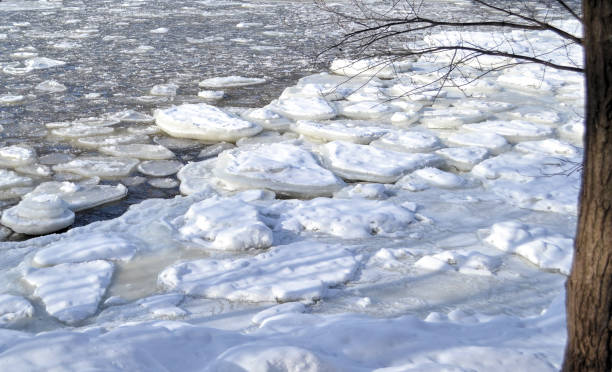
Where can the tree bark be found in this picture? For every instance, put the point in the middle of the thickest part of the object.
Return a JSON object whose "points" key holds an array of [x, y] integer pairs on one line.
{"points": [[589, 288]]}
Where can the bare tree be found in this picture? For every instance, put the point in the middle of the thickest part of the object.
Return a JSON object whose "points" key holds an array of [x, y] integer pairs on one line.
{"points": [[394, 30]]}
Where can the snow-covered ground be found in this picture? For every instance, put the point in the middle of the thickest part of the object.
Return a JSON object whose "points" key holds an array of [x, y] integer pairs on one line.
{"points": [[344, 226]]}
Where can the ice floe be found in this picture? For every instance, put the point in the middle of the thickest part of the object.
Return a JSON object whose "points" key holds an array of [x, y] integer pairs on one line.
{"points": [[139, 151], [81, 196], [159, 168], [282, 168], [71, 292], [347, 218], [408, 141], [284, 273], [230, 82], [495, 143], [463, 158], [204, 122], [51, 86], [549, 251], [431, 177], [38, 214], [16, 156], [226, 224], [98, 166], [513, 131], [304, 108], [367, 163], [338, 130], [380, 67]]}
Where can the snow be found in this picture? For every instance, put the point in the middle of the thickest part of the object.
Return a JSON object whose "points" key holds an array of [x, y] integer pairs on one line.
{"points": [[226, 225], [14, 309], [282, 168], [367, 163], [379, 67], [495, 143], [366, 110], [463, 158], [347, 219], [87, 247], [549, 251], [281, 274], [71, 292], [431, 177], [204, 122]]}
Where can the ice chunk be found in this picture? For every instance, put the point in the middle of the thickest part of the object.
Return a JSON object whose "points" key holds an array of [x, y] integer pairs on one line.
{"points": [[495, 143], [226, 224], [267, 118], [367, 110], [198, 177], [513, 131], [29, 65], [118, 139], [211, 95], [259, 357], [163, 183], [367, 163], [76, 131], [131, 116], [426, 177], [10, 179], [282, 168], [375, 191], [484, 105], [160, 30], [451, 117], [71, 292], [536, 115], [573, 131], [299, 271], [463, 158], [87, 247], [93, 121], [10, 99], [408, 141], [81, 196], [139, 151], [14, 309], [38, 214], [335, 130], [204, 122], [98, 166], [347, 219], [548, 147], [230, 82], [549, 251], [380, 67], [159, 168], [164, 90], [51, 86], [304, 108], [16, 156]]}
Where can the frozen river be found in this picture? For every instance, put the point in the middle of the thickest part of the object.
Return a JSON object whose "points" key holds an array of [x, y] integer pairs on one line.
{"points": [[298, 215]]}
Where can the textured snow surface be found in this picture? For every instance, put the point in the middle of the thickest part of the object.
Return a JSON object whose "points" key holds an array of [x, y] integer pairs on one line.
{"points": [[14, 309], [71, 292], [283, 273]]}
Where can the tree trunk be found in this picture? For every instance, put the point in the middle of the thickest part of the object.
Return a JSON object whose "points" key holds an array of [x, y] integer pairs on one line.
{"points": [[589, 288]]}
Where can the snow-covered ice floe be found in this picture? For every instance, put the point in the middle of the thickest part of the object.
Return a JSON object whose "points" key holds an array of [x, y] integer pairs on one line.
{"points": [[204, 122], [282, 168], [367, 163], [283, 273], [230, 82]]}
